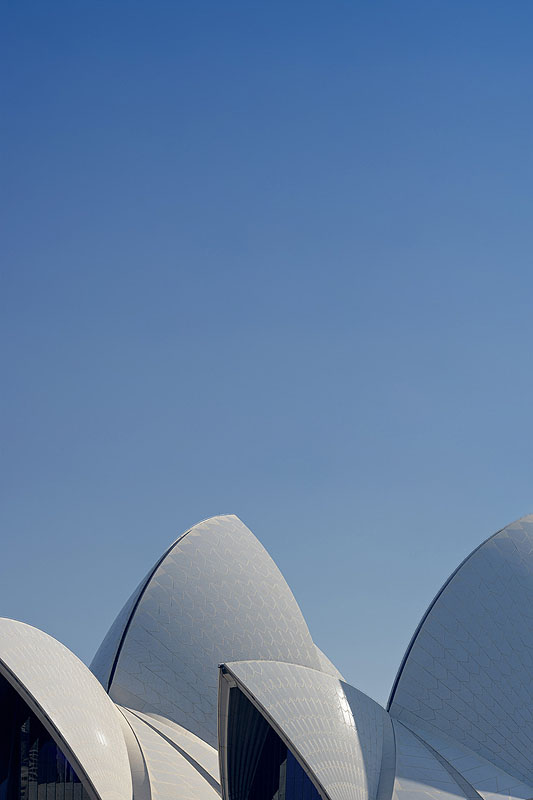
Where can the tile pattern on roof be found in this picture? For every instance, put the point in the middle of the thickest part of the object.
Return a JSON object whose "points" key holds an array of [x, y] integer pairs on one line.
{"points": [[419, 775], [171, 775], [216, 596], [488, 780], [468, 673], [77, 711], [315, 713], [461, 715]]}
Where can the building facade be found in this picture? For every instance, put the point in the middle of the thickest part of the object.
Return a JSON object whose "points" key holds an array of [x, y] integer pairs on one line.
{"points": [[208, 684]]}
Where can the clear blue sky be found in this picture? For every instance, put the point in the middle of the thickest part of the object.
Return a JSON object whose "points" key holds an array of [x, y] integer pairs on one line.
{"points": [[272, 259]]}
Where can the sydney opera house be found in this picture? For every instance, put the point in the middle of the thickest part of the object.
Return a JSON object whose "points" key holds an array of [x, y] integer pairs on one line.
{"points": [[209, 685]]}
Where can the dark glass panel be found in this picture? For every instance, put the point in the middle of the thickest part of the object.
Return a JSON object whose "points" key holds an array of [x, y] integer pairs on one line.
{"points": [[260, 765], [32, 766]]}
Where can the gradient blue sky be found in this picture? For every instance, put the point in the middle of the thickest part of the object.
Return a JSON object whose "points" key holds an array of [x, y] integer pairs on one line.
{"points": [[271, 259]]}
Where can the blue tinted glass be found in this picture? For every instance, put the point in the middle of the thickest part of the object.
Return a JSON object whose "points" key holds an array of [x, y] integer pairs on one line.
{"points": [[260, 765], [32, 767]]}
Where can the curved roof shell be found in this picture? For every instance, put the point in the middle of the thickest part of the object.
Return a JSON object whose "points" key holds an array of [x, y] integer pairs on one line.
{"points": [[198, 752], [460, 723], [486, 779], [71, 704], [326, 665], [169, 770], [335, 731], [467, 672], [216, 595], [421, 775]]}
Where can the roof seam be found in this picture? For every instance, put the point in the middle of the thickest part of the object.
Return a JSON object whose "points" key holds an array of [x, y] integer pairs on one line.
{"points": [[192, 761]]}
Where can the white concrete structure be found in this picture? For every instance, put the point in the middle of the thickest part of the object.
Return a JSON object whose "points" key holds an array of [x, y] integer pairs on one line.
{"points": [[69, 701], [215, 596], [209, 684]]}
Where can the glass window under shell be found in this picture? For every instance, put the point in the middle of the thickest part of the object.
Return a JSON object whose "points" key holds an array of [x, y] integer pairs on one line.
{"points": [[260, 766], [32, 766]]}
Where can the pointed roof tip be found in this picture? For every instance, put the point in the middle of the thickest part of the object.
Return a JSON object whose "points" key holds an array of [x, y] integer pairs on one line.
{"points": [[216, 517], [217, 567], [223, 516]]}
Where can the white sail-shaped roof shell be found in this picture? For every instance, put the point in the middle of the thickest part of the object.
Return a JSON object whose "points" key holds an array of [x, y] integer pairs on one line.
{"points": [[467, 672], [172, 773], [419, 773], [335, 731], [459, 723], [215, 596], [71, 704]]}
